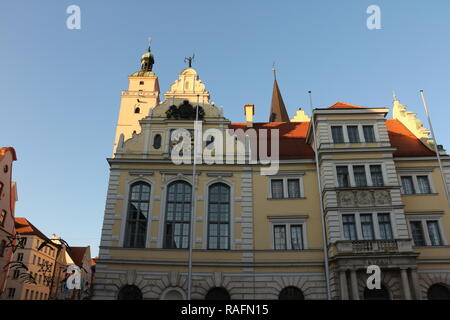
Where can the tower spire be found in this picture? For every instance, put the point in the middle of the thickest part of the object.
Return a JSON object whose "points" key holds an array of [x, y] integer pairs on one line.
{"points": [[278, 111]]}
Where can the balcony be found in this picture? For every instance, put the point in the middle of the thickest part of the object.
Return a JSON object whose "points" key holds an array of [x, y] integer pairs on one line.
{"points": [[372, 246]]}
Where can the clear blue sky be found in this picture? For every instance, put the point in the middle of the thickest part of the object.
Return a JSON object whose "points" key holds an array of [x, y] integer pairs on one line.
{"points": [[60, 88]]}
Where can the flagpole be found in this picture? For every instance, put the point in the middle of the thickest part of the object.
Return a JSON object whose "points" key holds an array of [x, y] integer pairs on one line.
{"points": [[191, 232], [436, 147], [324, 235]]}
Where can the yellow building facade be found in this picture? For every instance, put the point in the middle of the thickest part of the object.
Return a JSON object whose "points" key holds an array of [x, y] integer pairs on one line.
{"points": [[379, 198]]}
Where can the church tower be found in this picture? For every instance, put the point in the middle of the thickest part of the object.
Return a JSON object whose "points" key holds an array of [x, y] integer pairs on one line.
{"points": [[136, 102]]}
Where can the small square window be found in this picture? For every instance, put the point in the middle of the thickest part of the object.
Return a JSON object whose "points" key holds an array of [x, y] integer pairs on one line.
{"points": [[141, 83]]}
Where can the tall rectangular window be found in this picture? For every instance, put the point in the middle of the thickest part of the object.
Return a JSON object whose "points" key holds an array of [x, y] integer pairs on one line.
{"points": [[293, 188], [408, 185], [353, 134], [384, 222], [26, 294], [367, 227], [219, 216], [433, 232], [342, 176], [280, 237], [178, 215], [417, 233], [20, 257], [277, 188], [369, 134], [348, 223], [360, 176], [424, 184], [376, 175], [337, 133], [297, 237]]}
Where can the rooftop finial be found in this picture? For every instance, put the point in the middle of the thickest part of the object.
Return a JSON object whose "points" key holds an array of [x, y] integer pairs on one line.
{"points": [[149, 43], [274, 71], [189, 60], [394, 95]]}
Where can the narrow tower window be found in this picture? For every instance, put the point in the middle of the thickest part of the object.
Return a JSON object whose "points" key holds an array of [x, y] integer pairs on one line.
{"points": [[137, 110]]}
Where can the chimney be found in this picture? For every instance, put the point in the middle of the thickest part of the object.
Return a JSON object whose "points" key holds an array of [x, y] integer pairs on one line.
{"points": [[249, 111]]}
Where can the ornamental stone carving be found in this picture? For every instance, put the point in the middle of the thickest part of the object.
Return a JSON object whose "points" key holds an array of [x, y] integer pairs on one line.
{"points": [[347, 199], [364, 198], [382, 197]]}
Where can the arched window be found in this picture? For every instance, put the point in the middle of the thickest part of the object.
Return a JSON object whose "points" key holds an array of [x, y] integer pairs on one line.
{"points": [[137, 216], [137, 110], [157, 141], [217, 293], [438, 291], [178, 215], [129, 292], [291, 293], [219, 216], [376, 294]]}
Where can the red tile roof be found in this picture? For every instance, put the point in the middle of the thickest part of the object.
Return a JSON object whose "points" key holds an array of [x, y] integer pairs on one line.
{"points": [[293, 139], [23, 226], [77, 254], [405, 141], [10, 149], [344, 105]]}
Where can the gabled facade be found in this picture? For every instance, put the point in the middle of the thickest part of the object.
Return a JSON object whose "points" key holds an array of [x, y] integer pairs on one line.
{"points": [[32, 282], [8, 198], [260, 236]]}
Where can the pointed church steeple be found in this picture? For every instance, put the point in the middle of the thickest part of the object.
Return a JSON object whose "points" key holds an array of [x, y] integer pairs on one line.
{"points": [[278, 111]]}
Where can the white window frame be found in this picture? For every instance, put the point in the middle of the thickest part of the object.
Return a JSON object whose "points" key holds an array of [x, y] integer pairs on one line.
{"points": [[360, 125], [285, 186], [416, 183], [288, 222], [367, 171], [376, 226], [423, 220]]}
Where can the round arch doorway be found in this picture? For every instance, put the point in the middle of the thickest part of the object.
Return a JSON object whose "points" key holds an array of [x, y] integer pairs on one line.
{"points": [[129, 292], [438, 291]]}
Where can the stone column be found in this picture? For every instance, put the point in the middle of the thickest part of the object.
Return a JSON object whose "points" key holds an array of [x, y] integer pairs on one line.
{"points": [[415, 284], [405, 284], [354, 281], [343, 282]]}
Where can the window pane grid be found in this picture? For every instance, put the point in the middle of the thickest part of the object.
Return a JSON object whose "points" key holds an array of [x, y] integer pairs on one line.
{"points": [[137, 216], [178, 215], [369, 134], [376, 175], [353, 135], [384, 222], [417, 233], [277, 189], [359, 173], [433, 232], [293, 188], [342, 176], [219, 217], [348, 221], [407, 184], [337, 133], [424, 184], [280, 237]]}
